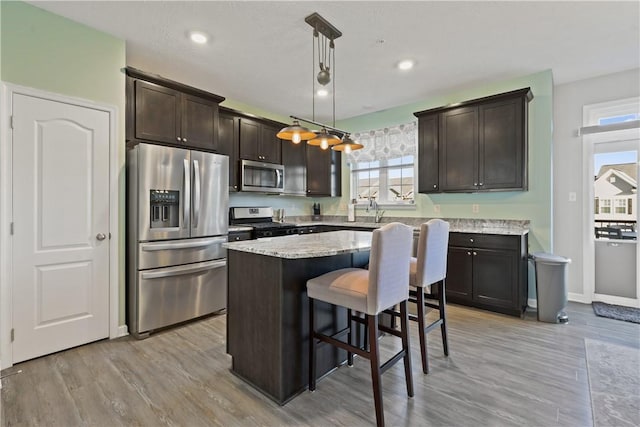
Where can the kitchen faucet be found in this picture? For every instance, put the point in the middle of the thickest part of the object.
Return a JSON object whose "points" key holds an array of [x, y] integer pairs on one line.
{"points": [[378, 213]]}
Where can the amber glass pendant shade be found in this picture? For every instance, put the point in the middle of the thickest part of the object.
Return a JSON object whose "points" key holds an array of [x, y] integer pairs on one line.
{"points": [[324, 139], [347, 145], [295, 133]]}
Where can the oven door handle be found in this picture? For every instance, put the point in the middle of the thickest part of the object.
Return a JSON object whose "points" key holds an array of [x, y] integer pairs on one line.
{"points": [[150, 247], [183, 270]]}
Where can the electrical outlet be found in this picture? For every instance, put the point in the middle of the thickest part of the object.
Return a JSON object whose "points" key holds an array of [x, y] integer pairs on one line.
{"points": [[436, 209], [475, 208], [572, 196]]}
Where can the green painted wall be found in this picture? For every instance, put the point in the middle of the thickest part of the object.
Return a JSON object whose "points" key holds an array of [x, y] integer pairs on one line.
{"points": [[51, 53], [534, 204]]}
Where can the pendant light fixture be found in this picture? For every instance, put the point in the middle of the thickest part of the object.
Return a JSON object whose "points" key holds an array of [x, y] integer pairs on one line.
{"points": [[324, 35], [295, 133], [347, 144]]}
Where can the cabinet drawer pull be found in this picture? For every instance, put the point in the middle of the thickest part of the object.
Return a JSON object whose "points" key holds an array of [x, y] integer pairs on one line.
{"points": [[471, 240], [435, 185]]}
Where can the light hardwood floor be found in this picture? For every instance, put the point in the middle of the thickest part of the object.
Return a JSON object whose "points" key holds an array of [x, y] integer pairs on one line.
{"points": [[502, 371]]}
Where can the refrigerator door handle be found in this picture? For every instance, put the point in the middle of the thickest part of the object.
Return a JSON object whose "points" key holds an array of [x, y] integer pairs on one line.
{"points": [[183, 270], [196, 193], [152, 247], [185, 191]]}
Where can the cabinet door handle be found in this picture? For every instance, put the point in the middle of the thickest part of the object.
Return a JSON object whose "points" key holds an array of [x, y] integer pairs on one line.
{"points": [[435, 185], [475, 253], [471, 240], [475, 184], [179, 139], [481, 184], [468, 253], [185, 140]]}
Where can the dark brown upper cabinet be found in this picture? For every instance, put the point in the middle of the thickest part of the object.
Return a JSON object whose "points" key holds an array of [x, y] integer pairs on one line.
{"points": [[258, 142], [428, 180], [167, 112], [228, 134], [477, 145], [324, 172], [294, 159]]}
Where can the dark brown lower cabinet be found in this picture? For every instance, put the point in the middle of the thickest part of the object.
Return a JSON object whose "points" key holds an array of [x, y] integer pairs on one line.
{"points": [[488, 271]]}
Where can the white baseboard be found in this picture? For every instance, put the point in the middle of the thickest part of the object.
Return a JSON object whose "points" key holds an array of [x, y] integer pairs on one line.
{"points": [[610, 299], [582, 298], [532, 302], [123, 331]]}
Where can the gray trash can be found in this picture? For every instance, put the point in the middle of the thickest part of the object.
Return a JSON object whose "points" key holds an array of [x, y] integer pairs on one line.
{"points": [[551, 286]]}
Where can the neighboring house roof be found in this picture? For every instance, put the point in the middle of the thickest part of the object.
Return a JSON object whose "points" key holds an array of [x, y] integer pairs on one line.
{"points": [[622, 185], [629, 169]]}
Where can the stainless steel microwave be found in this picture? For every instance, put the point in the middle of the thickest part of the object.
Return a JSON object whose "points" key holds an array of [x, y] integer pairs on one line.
{"points": [[262, 177]]}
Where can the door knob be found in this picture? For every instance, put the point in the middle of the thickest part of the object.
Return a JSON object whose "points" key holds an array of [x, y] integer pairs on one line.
{"points": [[100, 236]]}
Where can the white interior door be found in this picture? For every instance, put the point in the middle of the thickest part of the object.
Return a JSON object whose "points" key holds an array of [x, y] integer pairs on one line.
{"points": [[60, 242]]}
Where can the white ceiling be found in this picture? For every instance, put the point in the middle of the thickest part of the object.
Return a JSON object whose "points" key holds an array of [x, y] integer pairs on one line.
{"points": [[260, 52]]}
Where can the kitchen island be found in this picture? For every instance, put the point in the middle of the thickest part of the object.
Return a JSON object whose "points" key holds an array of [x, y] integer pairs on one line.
{"points": [[267, 310]]}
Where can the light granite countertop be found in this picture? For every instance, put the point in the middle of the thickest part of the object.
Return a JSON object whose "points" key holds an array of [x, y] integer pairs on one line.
{"points": [[456, 225], [306, 245]]}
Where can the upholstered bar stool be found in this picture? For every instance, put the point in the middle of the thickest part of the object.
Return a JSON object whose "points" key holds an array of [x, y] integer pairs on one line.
{"points": [[429, 268], [371, 291]]}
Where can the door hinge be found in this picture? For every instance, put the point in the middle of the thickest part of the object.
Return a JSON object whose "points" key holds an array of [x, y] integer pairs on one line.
{"points": [[13, 334], [11, 229]]}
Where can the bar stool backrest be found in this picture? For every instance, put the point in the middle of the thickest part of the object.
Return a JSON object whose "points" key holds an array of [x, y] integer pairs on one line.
{"points": [[389, 266], [432, 252]]}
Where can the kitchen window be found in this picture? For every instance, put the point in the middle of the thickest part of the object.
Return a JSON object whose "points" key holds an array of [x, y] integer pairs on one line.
{"points": [[385, 169], [605, 206], [621, 206]]}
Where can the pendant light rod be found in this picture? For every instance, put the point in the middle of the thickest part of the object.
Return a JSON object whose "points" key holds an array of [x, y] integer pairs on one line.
{"points": [[321, 125]]}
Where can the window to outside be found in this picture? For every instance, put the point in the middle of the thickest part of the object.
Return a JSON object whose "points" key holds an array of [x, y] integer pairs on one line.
{"points": [[385, 169], [618, 119], [621, 206], [605, 206]]}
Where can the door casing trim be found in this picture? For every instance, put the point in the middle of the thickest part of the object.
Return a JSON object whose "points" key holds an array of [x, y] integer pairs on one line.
{"points": [[7, 90]]}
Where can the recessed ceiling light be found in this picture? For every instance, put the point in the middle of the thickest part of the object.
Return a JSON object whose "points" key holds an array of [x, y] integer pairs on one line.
{"points": [[407, 64], [322, 92], [198, 37]]}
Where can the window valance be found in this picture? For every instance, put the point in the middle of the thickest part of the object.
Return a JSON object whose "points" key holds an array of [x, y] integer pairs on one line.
{"points": [[386, 143]]}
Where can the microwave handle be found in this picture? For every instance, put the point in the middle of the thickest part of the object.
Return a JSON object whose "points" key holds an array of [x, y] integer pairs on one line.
{"points": [[278, 178]]}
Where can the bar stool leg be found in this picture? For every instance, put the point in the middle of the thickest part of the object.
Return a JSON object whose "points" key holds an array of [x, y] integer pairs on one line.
{"points": [[374, 354], [443, 316], [421, 334], [312, 347], [350, 336], [404, 325]]}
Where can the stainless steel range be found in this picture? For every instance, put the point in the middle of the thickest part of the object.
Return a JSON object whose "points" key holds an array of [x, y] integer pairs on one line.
{"points": [[260, 219], [177, 202]]}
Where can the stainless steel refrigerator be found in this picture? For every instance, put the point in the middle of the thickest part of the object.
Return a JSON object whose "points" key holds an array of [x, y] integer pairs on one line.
{"points": [[177, 220]]}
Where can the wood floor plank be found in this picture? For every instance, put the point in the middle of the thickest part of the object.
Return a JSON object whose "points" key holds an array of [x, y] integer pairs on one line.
{"points": [[502, 371]]}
